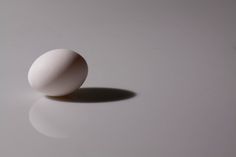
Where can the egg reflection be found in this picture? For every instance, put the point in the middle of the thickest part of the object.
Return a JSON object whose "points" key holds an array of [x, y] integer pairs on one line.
{"points": [[55, 119]]}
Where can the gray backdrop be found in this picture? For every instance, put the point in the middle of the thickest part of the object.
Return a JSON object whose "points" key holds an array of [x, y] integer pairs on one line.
{"points": [[178, 56]]}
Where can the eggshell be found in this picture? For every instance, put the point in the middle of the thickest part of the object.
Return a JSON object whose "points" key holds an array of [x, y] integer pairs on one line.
{"points": [[58, 72]]}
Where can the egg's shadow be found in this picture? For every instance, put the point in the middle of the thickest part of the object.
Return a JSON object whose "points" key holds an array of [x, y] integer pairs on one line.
{"points": [[96, 94]]}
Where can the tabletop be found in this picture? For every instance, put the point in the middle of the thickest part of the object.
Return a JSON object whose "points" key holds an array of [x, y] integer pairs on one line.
{"points": [[161, 81]]}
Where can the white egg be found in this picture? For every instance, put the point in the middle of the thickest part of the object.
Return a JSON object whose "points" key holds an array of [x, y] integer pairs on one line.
{"points": [[58, 72]]}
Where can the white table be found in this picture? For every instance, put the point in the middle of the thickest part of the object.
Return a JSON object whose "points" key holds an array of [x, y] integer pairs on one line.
{"points": [[178, 56]]}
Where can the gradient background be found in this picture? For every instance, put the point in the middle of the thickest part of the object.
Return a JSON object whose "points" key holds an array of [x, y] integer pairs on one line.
{"points": [[179, 56]]}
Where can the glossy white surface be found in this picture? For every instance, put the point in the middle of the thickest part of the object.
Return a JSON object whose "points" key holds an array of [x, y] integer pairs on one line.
{"points": [[178, 56], [58, 72]]}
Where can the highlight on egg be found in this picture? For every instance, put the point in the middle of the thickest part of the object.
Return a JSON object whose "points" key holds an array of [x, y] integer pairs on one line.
{"points": [[58, 72]]}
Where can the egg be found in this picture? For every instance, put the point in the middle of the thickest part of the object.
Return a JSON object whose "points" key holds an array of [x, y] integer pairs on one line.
{"points": [[58, 72]]}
